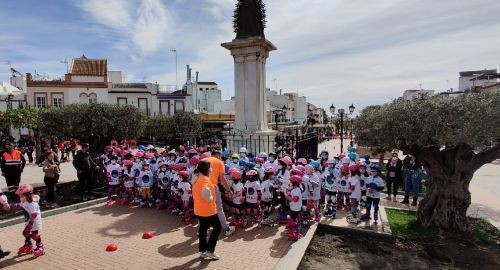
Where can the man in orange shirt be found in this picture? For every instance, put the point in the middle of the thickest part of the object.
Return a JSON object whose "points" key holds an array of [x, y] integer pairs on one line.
{"points": [[217, 177], [12, 165]]}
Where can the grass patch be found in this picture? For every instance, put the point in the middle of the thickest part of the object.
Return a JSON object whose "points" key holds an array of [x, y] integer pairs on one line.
{"points": [[404, 225]]}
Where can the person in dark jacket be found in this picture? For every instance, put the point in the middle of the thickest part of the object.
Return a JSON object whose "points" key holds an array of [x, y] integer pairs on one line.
{"points": [[394, 176], [12, 164], [412, 182], [84, 166]]}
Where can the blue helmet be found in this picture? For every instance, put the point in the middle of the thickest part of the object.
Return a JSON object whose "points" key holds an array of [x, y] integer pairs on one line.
{"points": [[373, 185], [226, 168], [366, 156], [141, 147], [315, 164], [250, 165], [324, 151], [352, 155], [242, 162], [224, 153], [375, 167]]}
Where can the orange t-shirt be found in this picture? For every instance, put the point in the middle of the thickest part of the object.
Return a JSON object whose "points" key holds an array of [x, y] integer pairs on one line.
{"points": [[217, 167], [203, 208]]}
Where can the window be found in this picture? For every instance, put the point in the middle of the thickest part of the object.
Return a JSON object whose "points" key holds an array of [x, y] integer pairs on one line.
{"points": [[121, 101], [41, 101], [165, 107], [84, 98], [57, 102], [206, 88], [142, 104], [201, 89], [93, 98], [179, 106]]}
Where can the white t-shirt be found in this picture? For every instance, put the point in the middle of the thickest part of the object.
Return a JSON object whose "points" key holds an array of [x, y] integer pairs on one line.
{"points": [[305, 186], [146, 179], [284, 180], [329, 180], [128, 178], [238, 192], [163, 179], [379, 182], [296, 206], [316, 184], [30, 208], [184, 190], [267, 194], [113, 173], [362, 182], [355, 187], [251, 191], [343, 184], [174, 184]]}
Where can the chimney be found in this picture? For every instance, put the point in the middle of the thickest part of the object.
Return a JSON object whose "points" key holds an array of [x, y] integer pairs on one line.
{"points": [[188, 70], [196, 76]]}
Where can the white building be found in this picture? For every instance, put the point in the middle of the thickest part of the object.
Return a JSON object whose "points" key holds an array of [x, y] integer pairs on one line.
{"points": [[470, 80], [11, 97], [411, 94], [203, 94]]}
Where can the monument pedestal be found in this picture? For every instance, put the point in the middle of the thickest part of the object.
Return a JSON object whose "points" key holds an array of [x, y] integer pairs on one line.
{"points": [[254, 142]]}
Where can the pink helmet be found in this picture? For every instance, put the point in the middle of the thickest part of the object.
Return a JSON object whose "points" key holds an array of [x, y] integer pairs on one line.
{"points": [[182, 148], [302, 161], [308, 169], [194, 161], [180, 166], [341, 155], [298, 172], [270, 169], [162, 163], [205, 155], [128, 162], [149, 156], [192, 151], [361, 164], [296, 179], [184, 174], [287, 160], [259, 160], [252, 173], [353, 168], [24, 189], [344, 169], [139, 154], [300, 167], [235, 174], [118, 151], [125, 152]]}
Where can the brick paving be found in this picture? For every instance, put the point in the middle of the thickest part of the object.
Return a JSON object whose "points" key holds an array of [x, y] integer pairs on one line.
{"points": [[78, 239]]}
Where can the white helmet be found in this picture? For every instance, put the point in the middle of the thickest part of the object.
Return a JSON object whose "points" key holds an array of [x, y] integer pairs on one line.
{"points": [[150, 147], [346, 160], [331, 161], [243, 150], [263, 155]]}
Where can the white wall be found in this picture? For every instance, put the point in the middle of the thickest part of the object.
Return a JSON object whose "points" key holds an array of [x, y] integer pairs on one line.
{"points": [[115, 77], [87, 78], [225, 106]]}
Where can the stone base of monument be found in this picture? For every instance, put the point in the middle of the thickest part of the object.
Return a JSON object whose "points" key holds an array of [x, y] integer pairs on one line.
{"points": [[255, 142]]}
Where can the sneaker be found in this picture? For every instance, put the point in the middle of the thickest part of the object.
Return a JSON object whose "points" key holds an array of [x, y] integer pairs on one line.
{"points": [[213, 256], [230, 230], [204, 254], [388, 197], [4, 254]]}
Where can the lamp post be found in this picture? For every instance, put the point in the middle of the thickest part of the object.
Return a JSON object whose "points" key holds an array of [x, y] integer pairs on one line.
{"points": [[176, 84], [341, 112]]}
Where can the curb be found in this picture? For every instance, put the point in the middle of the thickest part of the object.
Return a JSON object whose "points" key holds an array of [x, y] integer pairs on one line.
{"points": [[346, 230], [53, 212], [296, 251]]}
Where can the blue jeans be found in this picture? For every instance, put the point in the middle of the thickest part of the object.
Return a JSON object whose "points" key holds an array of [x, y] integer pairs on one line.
{"points": [[412, 182]]}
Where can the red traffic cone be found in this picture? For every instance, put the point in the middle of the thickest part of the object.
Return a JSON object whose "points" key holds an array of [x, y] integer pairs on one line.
{"points": [[111, 248], [147, 235]]}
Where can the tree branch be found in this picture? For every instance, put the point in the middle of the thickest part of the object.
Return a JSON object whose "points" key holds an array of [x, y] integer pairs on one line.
{"points": [[486, 156]]}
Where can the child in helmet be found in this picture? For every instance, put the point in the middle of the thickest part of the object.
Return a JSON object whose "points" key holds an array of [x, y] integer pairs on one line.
{"points": [[33, 218], [238, 199], [259, 162], [314, 189], [294, 196], [304, 186], [113, 174], [375, 184], [163, 177], [184, 187], [234, 163], [271, 161], [268, 186], [323, 158], [343, 187], [363, 177], [330, 185], [253, 192], [146, 184], [355, 189], [128, 179], [176, 197], [283, 177]]}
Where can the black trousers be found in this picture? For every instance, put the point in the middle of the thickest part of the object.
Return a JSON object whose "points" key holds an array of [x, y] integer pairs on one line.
{"points": [[392, 185], [30, 156], [85, 181], [13, 181], [205, 223], [51, 186]]}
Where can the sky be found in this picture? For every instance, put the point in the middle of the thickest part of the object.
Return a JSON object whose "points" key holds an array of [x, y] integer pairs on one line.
{"points": [[331, 51]]}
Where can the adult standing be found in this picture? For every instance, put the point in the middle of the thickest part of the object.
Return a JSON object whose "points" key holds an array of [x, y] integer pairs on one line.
{"points": [[52, 172], [84, 165], [30, 149], [205, 208], [217, 177], [12, 166], [74, 146], [412, 182], [394, 176]]}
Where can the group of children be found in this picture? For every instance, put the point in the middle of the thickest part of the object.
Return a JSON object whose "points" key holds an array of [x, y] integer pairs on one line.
{"points": [[152, 177], [259, 186]]}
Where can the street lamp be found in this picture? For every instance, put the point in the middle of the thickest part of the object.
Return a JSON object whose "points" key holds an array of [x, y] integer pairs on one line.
{"points": [[341, 112]]}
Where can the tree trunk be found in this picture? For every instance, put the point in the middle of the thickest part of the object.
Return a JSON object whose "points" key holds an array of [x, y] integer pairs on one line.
{"points": [[446, 202]]}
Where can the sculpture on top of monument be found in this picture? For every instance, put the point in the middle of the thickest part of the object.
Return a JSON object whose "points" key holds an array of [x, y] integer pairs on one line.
{"points": [[249, 19]]}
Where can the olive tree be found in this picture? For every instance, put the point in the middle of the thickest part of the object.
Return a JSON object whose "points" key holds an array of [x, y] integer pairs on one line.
{"points": [[452, 137]]}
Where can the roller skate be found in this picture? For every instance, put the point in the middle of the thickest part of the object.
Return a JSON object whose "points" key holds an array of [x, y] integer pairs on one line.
{"points": [[238, 222], [352, 219], [186, 218], [281, 218], [317, 218], [291, 224], [39, 251], [26, 249], [109, 202], [268, 222], [327, 213], [118, 200], [375, 218], [175, 211], [334, 213], [294, 234]]}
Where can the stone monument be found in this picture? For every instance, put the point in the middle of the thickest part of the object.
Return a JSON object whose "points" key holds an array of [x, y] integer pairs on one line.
{"points": [[250, 50]]}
